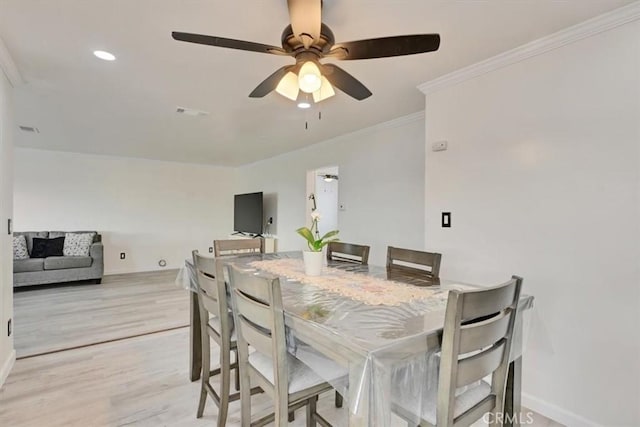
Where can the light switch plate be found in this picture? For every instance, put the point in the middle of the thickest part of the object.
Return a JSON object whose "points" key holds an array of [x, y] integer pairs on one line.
{"points": [[446, 219]]}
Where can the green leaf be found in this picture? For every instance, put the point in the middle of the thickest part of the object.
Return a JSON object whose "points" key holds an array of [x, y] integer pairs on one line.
{"points": [[307, 234], [329, 234]]}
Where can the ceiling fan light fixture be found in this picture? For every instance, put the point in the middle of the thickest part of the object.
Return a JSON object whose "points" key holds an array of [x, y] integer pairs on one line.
{"points": [[288, 86], [304, 101], [325, 91], [309, 77], [329, 177]]}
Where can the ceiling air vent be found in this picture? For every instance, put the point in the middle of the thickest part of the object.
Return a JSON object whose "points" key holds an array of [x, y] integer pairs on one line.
{"points": [[29, 129], [191, 112]]}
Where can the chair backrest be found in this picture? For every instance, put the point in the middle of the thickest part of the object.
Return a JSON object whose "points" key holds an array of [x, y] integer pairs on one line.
{"points": [[412, 262], [234, 246], [476, 341], [348, 252], [212, 295], [257, 303]]}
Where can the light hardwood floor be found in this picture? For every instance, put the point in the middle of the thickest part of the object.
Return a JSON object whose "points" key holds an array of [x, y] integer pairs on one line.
{"points": [[139, 381], [61, 317]]}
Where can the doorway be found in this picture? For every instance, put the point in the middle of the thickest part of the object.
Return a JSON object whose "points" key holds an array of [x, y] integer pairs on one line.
{"points": [[322, 196]]}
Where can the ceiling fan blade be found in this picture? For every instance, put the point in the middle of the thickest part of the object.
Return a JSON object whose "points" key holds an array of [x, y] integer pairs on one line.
{"points": [[306, 20], [345, 82], [269, 84], [385, 47], [228, 43]]}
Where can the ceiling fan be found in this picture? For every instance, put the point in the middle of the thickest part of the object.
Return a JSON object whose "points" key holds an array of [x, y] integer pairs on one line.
{"points": [[308, 40]]}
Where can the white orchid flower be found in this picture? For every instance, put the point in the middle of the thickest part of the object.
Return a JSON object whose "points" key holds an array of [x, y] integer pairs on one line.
{"points": [[315, 215]]}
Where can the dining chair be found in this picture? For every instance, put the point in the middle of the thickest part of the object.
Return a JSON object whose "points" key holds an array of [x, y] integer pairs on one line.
{"points": [[216, 322], [476, 343], [348, 252], [411, 262], [234, 246], [258, 310]]}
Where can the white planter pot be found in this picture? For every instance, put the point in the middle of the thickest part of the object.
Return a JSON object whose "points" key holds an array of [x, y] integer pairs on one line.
{"points": [[312, 263]]}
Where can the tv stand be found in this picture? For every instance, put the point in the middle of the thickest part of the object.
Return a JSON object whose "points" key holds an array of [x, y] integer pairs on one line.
{"points": [[269, 242], [248, 235]]}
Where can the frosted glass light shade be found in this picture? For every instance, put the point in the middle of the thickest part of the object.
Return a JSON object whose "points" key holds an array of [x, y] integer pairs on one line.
{"points": [[325, 91], [288, 86], [309, 77]]}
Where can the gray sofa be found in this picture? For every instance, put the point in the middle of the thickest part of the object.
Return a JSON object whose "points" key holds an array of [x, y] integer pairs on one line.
{"points": [[56, 269]]}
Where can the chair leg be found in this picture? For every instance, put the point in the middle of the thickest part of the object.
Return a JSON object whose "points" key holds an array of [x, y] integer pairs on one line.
{"points": [[204, 379], [237, 372], [245, 387], [203, 400], [338, 400], [225, 384], [311, 412]]}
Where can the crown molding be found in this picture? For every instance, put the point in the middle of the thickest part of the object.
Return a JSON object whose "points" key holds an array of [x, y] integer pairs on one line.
{"points": [[8, 66], [569, 35]]}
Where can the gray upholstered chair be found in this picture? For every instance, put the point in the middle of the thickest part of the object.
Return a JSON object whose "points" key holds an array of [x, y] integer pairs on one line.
{"points": [[234, 246], [411, 262], [258, 311], [476, 343], [348, 252], [216, 322]]}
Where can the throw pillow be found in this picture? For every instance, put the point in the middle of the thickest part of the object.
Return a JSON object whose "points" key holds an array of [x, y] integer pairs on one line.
{"points": [[55, 246], [77, 244], [20, 247], [43, 248]]}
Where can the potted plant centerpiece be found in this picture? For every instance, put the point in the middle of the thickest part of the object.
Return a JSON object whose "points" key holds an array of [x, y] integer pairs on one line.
{"points": [[313, 257]]}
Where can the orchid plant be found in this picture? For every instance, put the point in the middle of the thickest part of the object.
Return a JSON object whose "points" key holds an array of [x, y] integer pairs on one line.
{"points": [[312, 235]]}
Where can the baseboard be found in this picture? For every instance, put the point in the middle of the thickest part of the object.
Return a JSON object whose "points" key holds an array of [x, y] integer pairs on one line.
{"points": [[129, 271], [6, 368], [556, 413]]}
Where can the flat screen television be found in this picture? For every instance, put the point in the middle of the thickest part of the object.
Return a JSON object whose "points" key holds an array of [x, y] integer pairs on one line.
{"points": [[247, 213]]}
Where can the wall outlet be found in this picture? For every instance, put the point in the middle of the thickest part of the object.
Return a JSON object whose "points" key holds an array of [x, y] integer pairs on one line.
{"points": [[9, 328], [439, 146], [210, 249], [123, 255]]}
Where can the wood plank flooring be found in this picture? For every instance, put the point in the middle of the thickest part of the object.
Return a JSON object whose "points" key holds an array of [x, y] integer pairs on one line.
{"points": [[61, 317], [139, 381]]}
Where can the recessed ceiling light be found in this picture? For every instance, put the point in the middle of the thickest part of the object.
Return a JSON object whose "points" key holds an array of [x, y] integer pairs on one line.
{"points": [[304, 105], [104, 55]]}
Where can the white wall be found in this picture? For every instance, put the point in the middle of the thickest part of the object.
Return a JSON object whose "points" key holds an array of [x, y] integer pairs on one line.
{"points": [[542, 179], [7, 352], [149, 209], [381, 185]]}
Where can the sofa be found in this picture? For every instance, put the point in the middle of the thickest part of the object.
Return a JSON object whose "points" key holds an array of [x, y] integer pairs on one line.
{"points": [[56, 269]]}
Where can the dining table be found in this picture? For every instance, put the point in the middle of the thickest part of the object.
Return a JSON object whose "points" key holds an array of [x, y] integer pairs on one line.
{"points": [[384, 327]]}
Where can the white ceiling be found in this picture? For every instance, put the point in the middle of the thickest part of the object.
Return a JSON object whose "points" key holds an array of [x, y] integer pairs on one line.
{"points": [[127, 107]]}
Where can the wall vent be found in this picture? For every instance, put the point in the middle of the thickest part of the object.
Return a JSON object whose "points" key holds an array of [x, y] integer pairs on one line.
{"points": [[29, 129], [191, 112]]}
